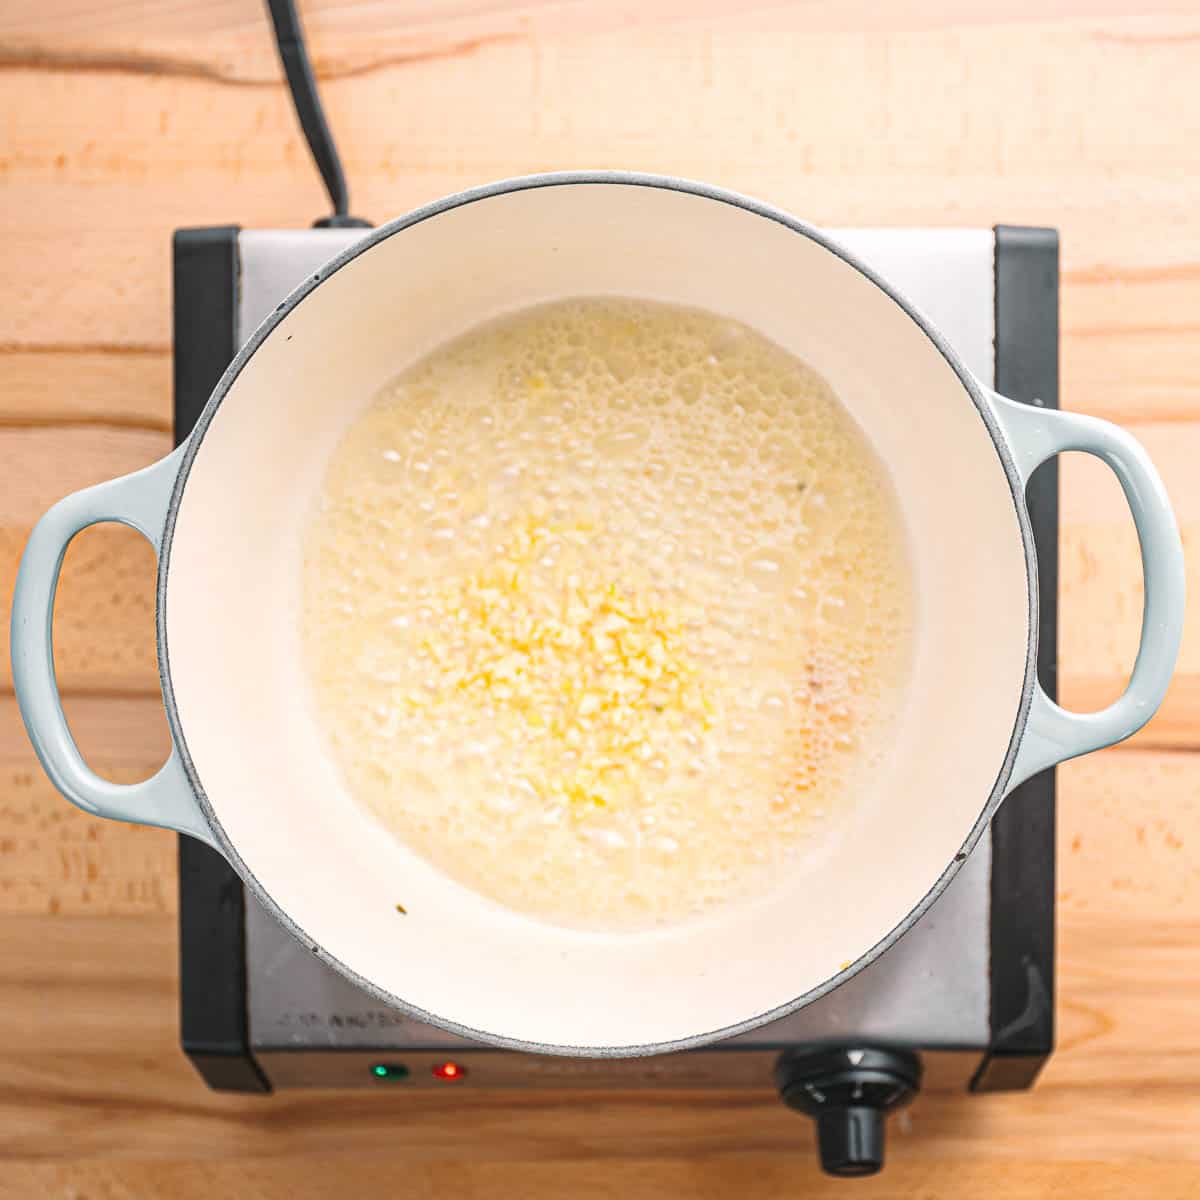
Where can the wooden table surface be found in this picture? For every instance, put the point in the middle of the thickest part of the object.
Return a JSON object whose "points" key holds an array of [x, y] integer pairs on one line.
{"points": [[120, 121]]}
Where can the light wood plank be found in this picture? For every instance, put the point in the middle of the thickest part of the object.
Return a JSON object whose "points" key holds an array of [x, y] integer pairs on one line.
{"points": [[342, 19], [86, 385], [44, 464], [111, 732], [1100, 582], [701, 1177], [104, 610], [55, 858], [85, 986], [1128, 836], [1136, 374]]}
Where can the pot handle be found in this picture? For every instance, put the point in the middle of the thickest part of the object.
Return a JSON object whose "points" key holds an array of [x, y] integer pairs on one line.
{"points": [[1052, 734], [139, 500]]}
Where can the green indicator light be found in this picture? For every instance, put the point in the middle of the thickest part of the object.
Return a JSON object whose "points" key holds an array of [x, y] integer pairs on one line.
{"points": [[389, 1070]]}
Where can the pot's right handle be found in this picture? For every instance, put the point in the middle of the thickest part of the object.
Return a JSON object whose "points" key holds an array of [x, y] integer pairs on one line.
{"points": [[139, 500], [1053, 734]]}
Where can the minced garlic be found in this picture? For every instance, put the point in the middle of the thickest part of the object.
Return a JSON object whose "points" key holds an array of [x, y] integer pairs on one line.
{"points": [[578, 662]]}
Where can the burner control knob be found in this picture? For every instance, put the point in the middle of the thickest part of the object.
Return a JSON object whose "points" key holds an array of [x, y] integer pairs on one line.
{"points": [[848, 1092]]}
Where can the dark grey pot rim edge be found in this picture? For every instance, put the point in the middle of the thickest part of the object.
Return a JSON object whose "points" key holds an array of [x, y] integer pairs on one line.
{"points": [[570, 178]]}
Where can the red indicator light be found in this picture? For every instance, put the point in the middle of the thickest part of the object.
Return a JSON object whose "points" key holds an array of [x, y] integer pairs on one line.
{"points": [[449, 1070]]}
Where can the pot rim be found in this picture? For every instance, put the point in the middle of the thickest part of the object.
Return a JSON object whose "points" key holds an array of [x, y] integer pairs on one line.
{"points": [[635, 179]]}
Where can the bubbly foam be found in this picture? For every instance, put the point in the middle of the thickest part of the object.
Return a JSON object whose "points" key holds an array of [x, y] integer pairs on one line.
{"points": [[607, 611]]}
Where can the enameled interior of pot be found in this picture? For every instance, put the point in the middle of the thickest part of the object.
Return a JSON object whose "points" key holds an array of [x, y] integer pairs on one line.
{"points": [[233, 591]]}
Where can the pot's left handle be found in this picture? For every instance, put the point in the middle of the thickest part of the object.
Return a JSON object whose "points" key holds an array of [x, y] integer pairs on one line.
{"points": [[139, 500], [1053, 734]]}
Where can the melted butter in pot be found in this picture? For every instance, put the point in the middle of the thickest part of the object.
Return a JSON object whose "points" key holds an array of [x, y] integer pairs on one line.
{"points": [[608, 611]]}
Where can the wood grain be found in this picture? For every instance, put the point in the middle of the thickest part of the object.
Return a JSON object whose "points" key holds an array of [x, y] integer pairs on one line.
{"points": [[701, 1177], [123, 122], [56, 859], [100, 385]]}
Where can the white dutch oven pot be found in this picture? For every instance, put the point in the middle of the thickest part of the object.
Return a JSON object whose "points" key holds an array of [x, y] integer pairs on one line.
{"points": [[248, 773]]}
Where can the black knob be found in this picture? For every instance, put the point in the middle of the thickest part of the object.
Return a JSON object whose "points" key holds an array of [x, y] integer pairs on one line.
{"points": [[849, 1092], [851, 1140]]}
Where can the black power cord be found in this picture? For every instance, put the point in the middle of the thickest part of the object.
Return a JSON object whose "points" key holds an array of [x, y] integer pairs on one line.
{"points": [[289, 37]]}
